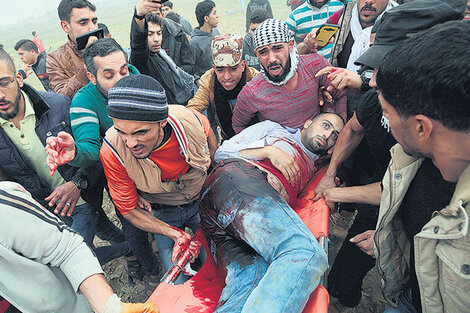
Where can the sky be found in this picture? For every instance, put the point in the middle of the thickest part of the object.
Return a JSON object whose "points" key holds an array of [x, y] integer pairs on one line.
{"points": [[14, 11]]}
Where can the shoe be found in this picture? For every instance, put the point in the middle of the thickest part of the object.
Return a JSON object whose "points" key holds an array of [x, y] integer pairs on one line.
{"points": [[133, 270], [341, 222], [337, 307]]}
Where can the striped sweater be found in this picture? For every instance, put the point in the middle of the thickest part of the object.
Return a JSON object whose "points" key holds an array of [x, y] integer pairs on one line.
{"points": [[290, 108], [305, 17]]}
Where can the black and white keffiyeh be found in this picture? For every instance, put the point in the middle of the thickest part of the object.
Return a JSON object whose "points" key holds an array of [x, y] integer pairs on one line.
{"points": [[273, 31]]}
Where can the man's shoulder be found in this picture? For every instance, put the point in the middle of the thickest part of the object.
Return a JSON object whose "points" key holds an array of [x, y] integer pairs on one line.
{"points": [[302, 9], [62, 50], [257, 82], [86, 97]]}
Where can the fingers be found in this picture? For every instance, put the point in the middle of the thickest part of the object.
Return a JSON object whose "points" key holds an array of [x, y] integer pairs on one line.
{"points": [[180, 245], [360, 237], [147, 307], [323, 71]]}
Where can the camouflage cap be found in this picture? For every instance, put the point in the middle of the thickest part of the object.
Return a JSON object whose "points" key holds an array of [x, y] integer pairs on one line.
{"points": [[227, 50]]}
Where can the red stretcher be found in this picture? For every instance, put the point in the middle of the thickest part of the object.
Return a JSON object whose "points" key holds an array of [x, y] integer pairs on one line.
{"points": [[201, 293]]}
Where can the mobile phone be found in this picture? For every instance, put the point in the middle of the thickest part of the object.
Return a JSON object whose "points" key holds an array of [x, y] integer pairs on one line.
{"points": [[82, 40], [325, 32]]}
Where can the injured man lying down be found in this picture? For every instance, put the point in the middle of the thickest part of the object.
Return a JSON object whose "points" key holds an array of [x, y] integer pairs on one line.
{"points": [[272, 260]]}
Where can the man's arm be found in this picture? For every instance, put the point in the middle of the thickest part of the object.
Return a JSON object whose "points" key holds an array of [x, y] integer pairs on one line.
{"points": [[62, 83], [339, 103], [281, 160], [201, 99], [348, 139], [86, 131], [139, 44], [186, 54], [369, 194], [25, 224]]}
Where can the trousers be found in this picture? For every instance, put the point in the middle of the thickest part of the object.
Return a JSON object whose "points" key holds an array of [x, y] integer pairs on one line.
{"points": [[272, 260]]}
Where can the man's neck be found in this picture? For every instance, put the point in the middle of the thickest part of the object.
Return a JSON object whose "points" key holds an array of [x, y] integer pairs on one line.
{"points": [[20, 116], [206, 28], [292, 83], [452, 155]]}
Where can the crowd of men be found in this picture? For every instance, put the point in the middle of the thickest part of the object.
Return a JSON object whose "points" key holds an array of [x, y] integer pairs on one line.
{"points": [[189, 129]]}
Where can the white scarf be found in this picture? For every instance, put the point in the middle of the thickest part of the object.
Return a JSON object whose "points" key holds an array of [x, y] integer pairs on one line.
{"points": [[361, 36]]}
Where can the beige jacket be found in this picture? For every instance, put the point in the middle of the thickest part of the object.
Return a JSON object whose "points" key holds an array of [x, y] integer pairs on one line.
{"points": [[146, 174], [205, 93], [442, 248], [66, 70]]}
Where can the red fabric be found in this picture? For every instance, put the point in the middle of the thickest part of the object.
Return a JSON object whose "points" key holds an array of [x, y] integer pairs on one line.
{"points": [[39, 44], [334, 19], [4, 305]]}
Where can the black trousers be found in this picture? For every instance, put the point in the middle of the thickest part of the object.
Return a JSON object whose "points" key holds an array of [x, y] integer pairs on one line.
{"points": [[351, 265]]}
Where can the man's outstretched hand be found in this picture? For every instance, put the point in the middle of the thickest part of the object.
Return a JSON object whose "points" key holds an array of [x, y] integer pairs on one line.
{"points": [[60, 150], [183, 242]]}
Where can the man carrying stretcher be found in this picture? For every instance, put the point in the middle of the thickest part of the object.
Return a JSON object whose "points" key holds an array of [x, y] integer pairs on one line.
{"points": [[272, 260]]}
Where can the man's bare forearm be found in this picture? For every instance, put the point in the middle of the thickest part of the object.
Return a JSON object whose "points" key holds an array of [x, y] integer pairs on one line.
{"points": [[97, 291], [369, 194], [145, 220]]}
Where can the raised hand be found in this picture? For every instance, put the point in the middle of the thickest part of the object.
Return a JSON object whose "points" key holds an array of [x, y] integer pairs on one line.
{"points": [[60, 150]]}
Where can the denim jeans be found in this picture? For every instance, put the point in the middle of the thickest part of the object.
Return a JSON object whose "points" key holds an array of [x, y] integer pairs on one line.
{"points": [[139, 243], [405, 304], [86, 219], [273, 261], [180, 216]]}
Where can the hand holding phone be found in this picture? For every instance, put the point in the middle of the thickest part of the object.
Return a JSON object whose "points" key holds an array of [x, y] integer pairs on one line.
{"points": [[325, 32], [82, 40]]}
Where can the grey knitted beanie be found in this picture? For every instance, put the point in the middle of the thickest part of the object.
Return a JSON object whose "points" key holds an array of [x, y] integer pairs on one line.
{"points": [[137, 98]]}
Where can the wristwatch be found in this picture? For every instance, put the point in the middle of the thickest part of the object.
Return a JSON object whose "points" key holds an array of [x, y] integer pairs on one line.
{"points": [[81, 183], [139, 17], [366, 76]]}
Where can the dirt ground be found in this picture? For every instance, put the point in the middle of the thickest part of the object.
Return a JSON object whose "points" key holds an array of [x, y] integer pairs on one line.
{"points": [[372, 301]]}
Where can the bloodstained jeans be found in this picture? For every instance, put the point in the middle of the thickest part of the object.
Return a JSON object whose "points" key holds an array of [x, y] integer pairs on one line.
{"points": [[273, 261]]}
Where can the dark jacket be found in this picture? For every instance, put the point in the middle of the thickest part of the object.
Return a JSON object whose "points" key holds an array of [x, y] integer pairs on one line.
{"points": [[201, 46], [52, 117], [255, 5], [40, 69], [176, 45], [151, 64], [249, 54]]}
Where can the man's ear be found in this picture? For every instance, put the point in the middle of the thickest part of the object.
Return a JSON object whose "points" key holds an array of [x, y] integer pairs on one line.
{"points": [[206, 19], [90, 76], [308, 123], [423, 127], [291, 45], [65, 26], [19, 79], [163, 123]]}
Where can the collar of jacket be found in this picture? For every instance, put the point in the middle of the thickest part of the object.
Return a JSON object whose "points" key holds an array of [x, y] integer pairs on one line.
{"points": [[73, 46], [39, 104]]}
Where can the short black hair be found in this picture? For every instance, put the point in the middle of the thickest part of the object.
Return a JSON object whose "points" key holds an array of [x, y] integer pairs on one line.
{"points": [[101, 48], [173, 16], [203, 9], [427, 75], [316, 117], [105, 29], [259, 16], [65, 8], [33, 33], [26, 45], [154, 18], [4, 56], [168, 4]]}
